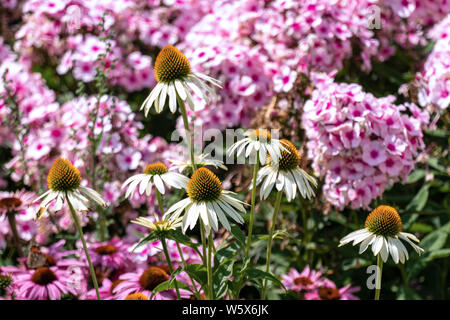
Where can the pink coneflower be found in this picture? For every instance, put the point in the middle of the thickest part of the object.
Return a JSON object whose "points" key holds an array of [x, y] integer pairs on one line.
{"points": [[15, 201], [105, 290], [306, 280], [42, 284], [329, 291], [143, 281], [111, 255]]}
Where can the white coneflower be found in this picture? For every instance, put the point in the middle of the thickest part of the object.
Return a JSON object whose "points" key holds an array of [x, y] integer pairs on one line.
{"points": [[176, 79], [64, 182], [286, 175], [154, 174], [159, 224], [382, 231], [258, 141], [207, 200], [200, 161]]}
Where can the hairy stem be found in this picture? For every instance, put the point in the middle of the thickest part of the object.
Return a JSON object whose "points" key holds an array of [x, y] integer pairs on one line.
{"points": [[169, 262], [269, 242], [378, 277], [80, 231]]}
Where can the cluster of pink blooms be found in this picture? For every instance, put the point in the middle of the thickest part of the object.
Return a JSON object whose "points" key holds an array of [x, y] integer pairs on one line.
{"points": [[118, 268], [434, 81], [69, 32], [359, 143], [257, 47], [313, 285]]}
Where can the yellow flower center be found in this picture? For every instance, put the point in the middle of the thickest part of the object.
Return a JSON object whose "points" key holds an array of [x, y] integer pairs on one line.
{"points": [[136, 296], [289, 160], [152, 277], [384, 221], [10, 203], [63, 176], [329, 294], [171, 64], [204, 186], [43, 276], [261, 135], [105, 250], [156, 168]]}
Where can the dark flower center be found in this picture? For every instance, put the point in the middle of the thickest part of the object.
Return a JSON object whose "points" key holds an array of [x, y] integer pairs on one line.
{"points": [[204, 186], [289, 160], [63, 176], [171, 64], [329, 294], [10, 203], [384, 221], [43, 276], [304, 281], [107, 249], [158, 168], [152, 277]]}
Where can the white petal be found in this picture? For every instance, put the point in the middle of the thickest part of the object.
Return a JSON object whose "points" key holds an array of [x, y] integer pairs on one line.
{"points": [[180, 90], [172, 98], [159, 184]]}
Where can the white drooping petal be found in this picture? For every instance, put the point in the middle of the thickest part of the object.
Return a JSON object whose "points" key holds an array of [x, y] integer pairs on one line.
{"points": [[180, 90], [172, 98], [159, 184]]}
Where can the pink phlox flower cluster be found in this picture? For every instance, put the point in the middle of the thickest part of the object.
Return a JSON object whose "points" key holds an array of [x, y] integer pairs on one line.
{"points": [[360, 144]]}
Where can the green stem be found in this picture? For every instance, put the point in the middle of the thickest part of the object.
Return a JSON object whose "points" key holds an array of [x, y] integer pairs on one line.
{"points": [[202, 235], [159, 198], [80, 231], [252, 209], [209, 267], [251, 221], [189, 137], [269, 242], [169, 262], [196, 292], [12, 224], [378, 277]]}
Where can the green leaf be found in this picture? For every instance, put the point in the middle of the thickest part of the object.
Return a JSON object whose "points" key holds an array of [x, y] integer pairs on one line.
{"points": [[255, 274], [278, 234], [420, 199], [434, 241], [198, 272], [238, 234], [150, 238], [416, 175], [438, 133], [434, 162], [227, 253], [406, 293], [420, 227], [440, 253], [220, 279], [169, 284]]}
